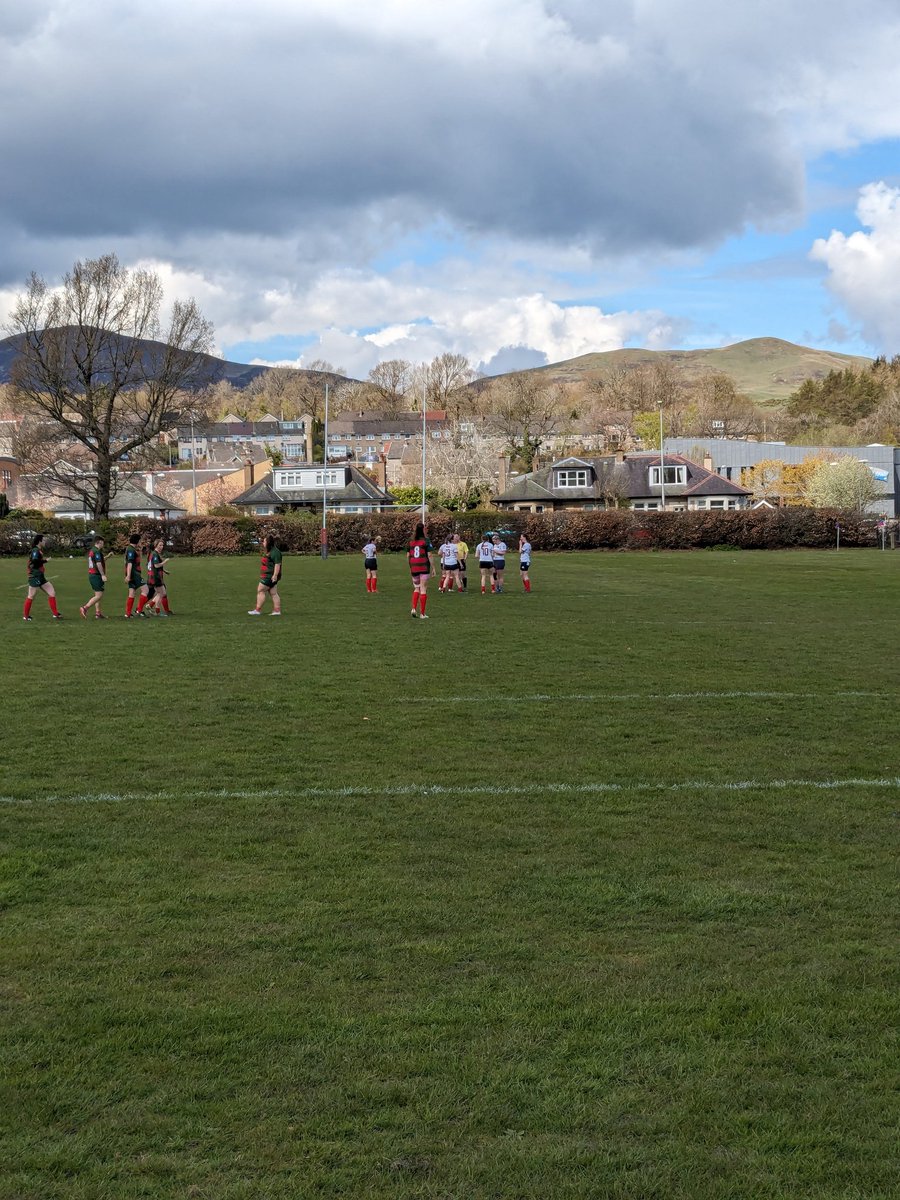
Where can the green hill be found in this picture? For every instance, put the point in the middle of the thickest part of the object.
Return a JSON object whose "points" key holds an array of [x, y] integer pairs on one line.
{"points": [[765, 369]]}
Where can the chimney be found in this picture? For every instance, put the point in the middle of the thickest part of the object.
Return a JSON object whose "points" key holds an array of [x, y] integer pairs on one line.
{"points": [[380, 470], [504, 474], [148, 482], [707, 461], [248, 474]]}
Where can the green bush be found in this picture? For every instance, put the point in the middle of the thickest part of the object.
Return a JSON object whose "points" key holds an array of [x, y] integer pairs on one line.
{"points": [[612, 529]]}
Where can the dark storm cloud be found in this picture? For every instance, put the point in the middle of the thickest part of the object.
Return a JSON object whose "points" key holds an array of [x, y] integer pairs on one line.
{"points": [[574, 123]]}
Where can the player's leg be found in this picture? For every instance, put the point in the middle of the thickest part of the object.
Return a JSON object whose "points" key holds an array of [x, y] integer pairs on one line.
{"points": [[29, 600], [276, 601], [50, 592]]}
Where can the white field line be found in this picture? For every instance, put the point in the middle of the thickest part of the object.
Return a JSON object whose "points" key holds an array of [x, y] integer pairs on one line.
{"points": [[440, 790], [584, 697]]}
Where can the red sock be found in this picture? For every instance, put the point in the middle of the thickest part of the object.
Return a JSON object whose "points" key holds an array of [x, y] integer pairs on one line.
{"points": [[51, 600], [165, 603], [129, 605], [422, 599], [142, 601], [527, 583], [27, 608], [415, 600]]}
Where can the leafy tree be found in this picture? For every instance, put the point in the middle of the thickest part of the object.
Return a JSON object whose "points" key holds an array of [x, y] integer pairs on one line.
{"points": [[845, 483], [97, 377]]}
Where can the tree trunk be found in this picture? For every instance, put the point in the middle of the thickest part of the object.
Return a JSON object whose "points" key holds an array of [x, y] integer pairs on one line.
{"points": [[104, 488]]}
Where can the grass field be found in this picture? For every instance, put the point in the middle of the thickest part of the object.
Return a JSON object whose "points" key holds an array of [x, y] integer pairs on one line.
{"points": [[587, 893]]}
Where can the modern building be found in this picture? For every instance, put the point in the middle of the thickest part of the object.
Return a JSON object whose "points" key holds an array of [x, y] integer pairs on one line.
{"points": [[729, 458]]}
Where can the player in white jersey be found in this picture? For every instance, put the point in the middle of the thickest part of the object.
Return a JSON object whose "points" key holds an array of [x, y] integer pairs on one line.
{"points": [[499, 561], [525, 561], [485, 552], [449, 566], [370, 559]]}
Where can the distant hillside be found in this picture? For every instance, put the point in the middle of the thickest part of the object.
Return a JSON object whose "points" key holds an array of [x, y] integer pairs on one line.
{"points": [[765, 369], [239, 375]]}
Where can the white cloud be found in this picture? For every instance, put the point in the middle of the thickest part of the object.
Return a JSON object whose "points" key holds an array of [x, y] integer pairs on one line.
{"points": [[864, 268], [271, 158]]}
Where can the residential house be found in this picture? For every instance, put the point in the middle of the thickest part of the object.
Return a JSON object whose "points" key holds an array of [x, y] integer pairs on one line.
{"points": [[202, 489], [365, 436], [130, 500], [341, 486], [638, 481], [211, 439]]}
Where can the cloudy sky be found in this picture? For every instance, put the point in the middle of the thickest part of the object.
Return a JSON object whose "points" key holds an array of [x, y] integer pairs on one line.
{"points": [[520, 181]]}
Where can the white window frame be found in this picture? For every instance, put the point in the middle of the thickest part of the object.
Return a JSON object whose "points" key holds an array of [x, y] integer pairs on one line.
{"points": [[581, 477], [675, 475]]}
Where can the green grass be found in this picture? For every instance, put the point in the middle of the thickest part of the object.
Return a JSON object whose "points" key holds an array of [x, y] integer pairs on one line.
{"points": [[517, 902]]}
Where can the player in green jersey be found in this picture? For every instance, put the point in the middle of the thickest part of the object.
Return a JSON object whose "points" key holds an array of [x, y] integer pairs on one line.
{"points": [[156, 578], [38, 581], [134, 581], [269, 577], [96, 578]]}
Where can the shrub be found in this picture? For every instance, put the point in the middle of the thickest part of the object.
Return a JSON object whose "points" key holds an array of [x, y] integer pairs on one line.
{"points": [[611, 529]]}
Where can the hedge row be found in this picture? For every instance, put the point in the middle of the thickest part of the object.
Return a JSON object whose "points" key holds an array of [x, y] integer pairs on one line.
{"points": [[615, 529]]}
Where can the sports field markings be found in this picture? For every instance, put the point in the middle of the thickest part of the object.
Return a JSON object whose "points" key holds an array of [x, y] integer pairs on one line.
{"points": [[425, 790], [585, 697]]}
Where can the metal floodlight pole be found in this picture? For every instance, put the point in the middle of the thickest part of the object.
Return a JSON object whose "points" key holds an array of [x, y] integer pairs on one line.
{"points": [[324, 534], [193, 464], [424, 432], [662, 463]]}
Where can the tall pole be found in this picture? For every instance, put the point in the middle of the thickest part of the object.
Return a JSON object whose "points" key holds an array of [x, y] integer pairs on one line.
{"points": [[193, 464], [424, 433], [662, 464], [324, 534]]}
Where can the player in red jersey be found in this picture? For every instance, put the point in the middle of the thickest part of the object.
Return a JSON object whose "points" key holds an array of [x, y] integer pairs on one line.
{"points": [[421, 567]]}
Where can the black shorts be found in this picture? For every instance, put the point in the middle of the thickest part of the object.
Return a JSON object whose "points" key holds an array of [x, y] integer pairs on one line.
{"points": [[36, 581], [268, 584], [135, 583], [151, 591], [499, 564], [371, 564], [96, 583], [462, 567], [486, 565], [417, 575], [524, 566], [451, 566]]}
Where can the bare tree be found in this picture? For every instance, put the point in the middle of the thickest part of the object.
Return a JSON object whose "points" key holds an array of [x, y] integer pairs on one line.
{"points": [[464, 470], [392, 381], [96, 373], [719, 410], [527, 411]]}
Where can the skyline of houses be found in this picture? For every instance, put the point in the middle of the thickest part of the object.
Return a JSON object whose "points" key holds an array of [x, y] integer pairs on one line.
{"points": [[220, 462]]}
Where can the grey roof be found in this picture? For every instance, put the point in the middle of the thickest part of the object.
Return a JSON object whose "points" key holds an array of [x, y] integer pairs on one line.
{"points": [[358, 488], [628, 476], [128, 498], [258, 493]]}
